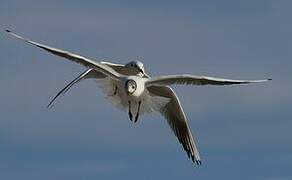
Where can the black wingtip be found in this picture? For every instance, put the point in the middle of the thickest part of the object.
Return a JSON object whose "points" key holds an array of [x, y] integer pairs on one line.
{"points": [[7, 30], [269, 79], [198, 162], [49, 106]]}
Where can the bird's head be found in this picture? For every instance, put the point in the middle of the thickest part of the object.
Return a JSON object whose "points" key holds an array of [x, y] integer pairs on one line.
{"points": [[137, 66], [130, 86]]}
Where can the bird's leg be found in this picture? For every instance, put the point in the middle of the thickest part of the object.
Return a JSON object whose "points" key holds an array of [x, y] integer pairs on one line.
{"points": [[130, 113], [115, 91], [137, 115]]}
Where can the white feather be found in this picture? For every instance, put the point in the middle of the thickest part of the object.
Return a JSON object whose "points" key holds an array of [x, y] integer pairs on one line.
{"points": [[149, 103]]}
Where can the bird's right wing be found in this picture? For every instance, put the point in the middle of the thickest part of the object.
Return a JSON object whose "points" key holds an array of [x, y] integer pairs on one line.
{"points": [[106, 70], [177, 120]]}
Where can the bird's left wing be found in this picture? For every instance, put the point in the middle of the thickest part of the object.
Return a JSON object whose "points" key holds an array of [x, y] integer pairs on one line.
{"points": [[89, 73], [177, 120], [195, 80], [106, 70]]}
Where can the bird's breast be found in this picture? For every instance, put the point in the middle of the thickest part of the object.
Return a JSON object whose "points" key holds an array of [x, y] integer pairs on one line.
{"points": [[139, 91]]}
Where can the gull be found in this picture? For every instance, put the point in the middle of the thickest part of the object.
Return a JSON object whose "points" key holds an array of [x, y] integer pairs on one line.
{"points": [[131, 89]]}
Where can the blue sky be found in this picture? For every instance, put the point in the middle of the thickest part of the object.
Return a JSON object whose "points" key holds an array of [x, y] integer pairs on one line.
{"points": [[244, 132]]}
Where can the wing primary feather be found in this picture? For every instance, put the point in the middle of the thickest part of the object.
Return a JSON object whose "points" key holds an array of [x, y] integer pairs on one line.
{"points": [[187, 79], [107, 70], [69, 85], [176, 119]]}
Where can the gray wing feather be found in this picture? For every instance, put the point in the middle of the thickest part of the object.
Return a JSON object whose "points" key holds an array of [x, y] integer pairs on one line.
{"points": [[73, 57], [177, 120], [89, 73], [195, 80]]}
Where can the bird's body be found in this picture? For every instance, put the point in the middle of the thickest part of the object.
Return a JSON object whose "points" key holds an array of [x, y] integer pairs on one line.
{"points": [[129, 88], [122, 95], [130, 102]]}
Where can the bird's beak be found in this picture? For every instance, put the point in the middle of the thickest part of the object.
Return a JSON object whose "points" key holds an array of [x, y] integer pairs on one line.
{"points": [[141, 71]]}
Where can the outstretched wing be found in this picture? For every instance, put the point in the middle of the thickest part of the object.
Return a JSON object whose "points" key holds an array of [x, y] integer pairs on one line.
{"points": [[106, 70], [177, 120], [89, 73], [195, 80]]}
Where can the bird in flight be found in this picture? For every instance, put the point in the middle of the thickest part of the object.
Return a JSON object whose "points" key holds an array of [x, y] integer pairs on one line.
{"points": [[129, 88]]}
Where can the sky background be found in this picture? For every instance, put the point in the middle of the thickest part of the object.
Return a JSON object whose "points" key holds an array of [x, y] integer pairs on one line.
{"points": [[243, 132]]}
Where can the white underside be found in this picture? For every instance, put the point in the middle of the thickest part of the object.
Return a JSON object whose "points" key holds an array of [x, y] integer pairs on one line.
{"points": [[120, 100]]}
